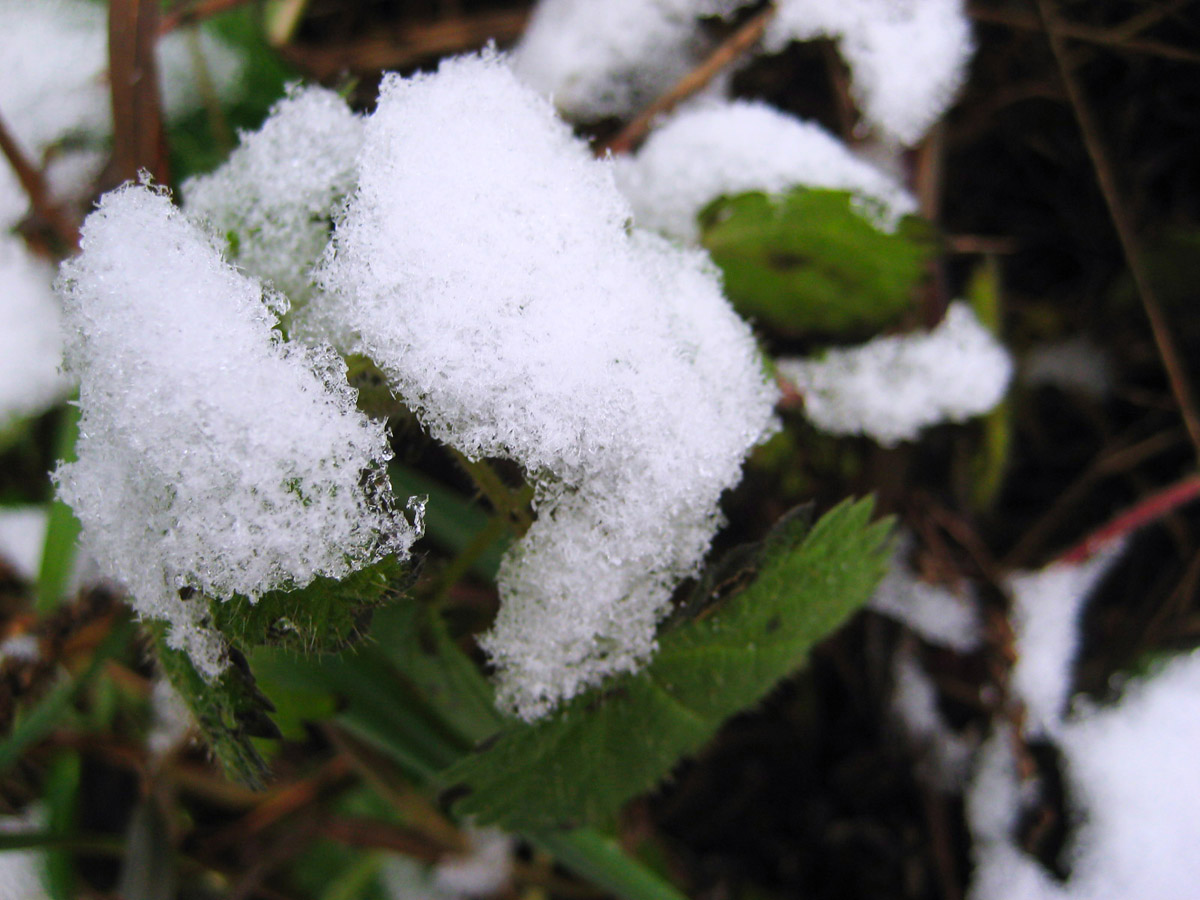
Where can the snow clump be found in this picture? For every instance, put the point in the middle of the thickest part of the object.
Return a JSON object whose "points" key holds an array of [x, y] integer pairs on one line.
{"points": [[275, 197], [907, 58], [711, 150], [212, 455], [1046, 606], [892, 387], [486, 262], [1132, 781], [611, 59], [940, 615]]}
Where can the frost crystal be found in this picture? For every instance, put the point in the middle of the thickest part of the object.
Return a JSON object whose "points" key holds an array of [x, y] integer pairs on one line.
{"points": [[30, 334], [212, 455], [892, 387], [485, 261], [274, 199], [907, 57], [611, 59], [715, 149]]}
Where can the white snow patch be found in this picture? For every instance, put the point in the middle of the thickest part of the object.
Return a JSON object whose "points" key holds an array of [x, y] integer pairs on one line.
{"points": [[1076, 364], [713, 149], [907, 58], [1132, 779], [279, 190], [892, 387], [613, 58], [22, 872], [1045, 616], [22, 534], [212, 455], [31, 336], [485, 261], [172, 721], [23, 647], [937, 614], [944, 756]]}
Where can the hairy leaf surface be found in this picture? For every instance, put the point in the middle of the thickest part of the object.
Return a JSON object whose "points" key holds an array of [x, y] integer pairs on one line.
{"points": [[583, 762]]}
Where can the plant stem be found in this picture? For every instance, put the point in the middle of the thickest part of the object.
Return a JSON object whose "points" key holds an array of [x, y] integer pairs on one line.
{"points": [[737, 44], [1105, 176]]}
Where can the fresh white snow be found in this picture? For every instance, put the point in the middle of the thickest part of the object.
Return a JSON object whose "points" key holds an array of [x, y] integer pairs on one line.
{"points": [[212, 455], [486, 263], [709, 150]]}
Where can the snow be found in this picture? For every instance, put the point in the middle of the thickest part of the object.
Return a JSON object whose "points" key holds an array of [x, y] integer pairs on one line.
{"points": [[1075, 364], [279, 190], [1132, 779], [482, 871], [710, 150], [1046, 606], [944, 757], [892, 387], [907, 58], [486, 262], [30, 335], [596, 60], [22, 871], [172, 721], [212, 455], [937, 614], [1133, 775], [22, 534]]}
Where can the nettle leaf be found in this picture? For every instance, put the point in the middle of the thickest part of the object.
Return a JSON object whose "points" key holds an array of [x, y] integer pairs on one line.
{"points": [[583, 762], [229, 711], [812, 261], [325, 615]]}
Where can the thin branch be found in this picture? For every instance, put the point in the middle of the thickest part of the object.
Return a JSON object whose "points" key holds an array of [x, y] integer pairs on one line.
{"points": [[1105, 176], [735, 46], [410, 43], [138, 137], [1147, 511], [34, 184], [1116, 39]]}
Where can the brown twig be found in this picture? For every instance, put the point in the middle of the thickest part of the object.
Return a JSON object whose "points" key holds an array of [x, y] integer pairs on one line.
{"points": [[1116, 39], [734, 46], [407, 45], [1111, 463], [1143, 513], [34, 184], [378, 835], [1172, 361], [139, 141]]}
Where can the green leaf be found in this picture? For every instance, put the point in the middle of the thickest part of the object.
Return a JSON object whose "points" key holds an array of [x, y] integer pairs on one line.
{"points": [[811, 261], [230, 710], [62, 528], [60, 796], [583, 762], [325, 615]]}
